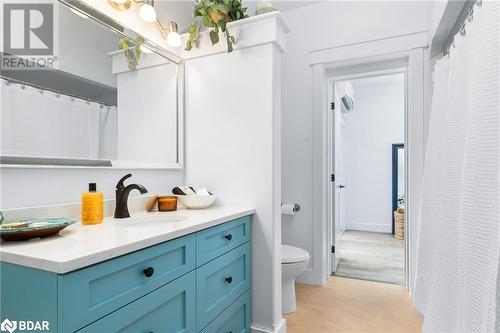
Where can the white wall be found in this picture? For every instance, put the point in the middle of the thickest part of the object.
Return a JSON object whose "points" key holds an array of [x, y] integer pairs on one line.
{"points": [[325, 25], [376, 123], [154, 119], [233, 148]]}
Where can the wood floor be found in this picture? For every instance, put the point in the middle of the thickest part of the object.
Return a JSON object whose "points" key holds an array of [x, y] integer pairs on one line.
{"points": [[370, 256], [353, 306]]}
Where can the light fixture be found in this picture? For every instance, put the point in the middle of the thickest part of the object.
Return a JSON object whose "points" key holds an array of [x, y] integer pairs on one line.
{"points": [[147, 11], [173, 37], [120, 4]]}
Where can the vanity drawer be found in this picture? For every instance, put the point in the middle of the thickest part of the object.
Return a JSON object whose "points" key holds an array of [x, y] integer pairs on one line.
{"points": [[220, 282], [218, 240], [91, 293], [235, 319], [167, 309]]}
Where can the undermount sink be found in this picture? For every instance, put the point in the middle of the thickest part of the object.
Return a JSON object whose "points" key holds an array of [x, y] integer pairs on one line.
{"points": [[152, 220]]}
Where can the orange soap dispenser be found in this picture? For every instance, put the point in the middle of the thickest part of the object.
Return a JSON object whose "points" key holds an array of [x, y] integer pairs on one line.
{"points": [[92, 206]]}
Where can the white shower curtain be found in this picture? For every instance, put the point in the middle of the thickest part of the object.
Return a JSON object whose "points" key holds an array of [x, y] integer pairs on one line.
{"points": [[459, 228], [37, 123]]}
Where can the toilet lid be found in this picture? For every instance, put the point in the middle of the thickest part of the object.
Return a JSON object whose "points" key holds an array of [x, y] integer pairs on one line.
{"points": [[291, 254]]}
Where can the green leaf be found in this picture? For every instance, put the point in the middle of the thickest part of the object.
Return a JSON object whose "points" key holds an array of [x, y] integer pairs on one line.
{"points": [[206, 20], [222, 24], [222, 8], [214, 37]]}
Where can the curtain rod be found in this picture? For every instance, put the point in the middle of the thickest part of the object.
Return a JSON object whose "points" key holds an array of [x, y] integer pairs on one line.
{"points": [[466, 15], [42, 88]]}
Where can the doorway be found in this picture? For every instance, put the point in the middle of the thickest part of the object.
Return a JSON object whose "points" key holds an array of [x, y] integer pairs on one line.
{"points": [[366, 196]]}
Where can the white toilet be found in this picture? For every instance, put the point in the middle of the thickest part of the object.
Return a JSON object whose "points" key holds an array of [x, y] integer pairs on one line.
{"points": [[293, 261]]}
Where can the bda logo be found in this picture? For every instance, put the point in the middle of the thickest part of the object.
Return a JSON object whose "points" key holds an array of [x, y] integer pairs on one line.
{"points": [[8, 325]]}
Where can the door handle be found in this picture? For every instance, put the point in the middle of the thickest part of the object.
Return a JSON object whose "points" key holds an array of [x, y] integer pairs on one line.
{"points": [[341, 186]]}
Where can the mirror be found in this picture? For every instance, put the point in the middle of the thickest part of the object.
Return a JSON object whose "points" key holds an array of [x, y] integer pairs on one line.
{"points": [[94, 107], [398, 178]]}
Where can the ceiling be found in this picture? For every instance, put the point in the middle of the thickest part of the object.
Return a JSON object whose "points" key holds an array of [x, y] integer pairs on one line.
{"points": [[181, 11]]}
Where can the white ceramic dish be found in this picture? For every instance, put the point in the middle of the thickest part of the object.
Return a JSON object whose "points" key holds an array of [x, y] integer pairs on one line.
{"points": [[196, 201]]}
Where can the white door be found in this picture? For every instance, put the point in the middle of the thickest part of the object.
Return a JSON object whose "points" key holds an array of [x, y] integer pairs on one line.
{"points": [[337, 171], [337, 226]]}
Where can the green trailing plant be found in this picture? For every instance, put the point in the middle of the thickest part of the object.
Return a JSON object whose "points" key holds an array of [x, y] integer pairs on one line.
{"points": [[215, 15], [132, 50]]}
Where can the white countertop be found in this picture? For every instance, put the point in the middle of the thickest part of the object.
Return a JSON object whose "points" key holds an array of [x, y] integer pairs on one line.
{"points": [[80, 245]]}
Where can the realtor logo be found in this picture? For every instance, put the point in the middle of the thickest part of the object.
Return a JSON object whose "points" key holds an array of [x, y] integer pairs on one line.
{"points": [[8, 325], [28, 28], [28, 36]]}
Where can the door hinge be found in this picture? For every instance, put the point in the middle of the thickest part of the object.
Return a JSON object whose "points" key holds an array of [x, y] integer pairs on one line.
{"points": [[332, 106], [332, 177], [332, 249]]}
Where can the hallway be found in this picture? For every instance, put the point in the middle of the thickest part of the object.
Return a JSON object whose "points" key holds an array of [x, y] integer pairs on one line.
{"points": [[353, 306], [370, 256]]}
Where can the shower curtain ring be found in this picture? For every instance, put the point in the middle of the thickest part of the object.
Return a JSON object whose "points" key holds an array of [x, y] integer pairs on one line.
{"points": [[462, 29], [470, 17]]}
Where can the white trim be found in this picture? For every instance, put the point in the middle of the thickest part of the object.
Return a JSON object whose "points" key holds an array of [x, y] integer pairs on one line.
{"points": [[414, 156], [409, 47], [280, 328], [379, 47], [122, 166]]}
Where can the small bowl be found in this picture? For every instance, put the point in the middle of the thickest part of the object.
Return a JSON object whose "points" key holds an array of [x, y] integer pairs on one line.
{"points": [[196, 201]]}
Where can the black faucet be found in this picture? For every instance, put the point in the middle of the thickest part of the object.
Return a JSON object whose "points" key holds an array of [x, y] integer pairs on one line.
{"points": [[122, 192]]}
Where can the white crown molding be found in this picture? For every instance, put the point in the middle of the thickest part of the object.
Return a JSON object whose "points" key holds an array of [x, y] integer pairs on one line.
{"points": [[253, 31]]}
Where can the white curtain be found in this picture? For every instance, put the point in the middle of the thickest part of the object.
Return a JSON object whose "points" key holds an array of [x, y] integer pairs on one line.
{"points": [[456, 286], [36, 123]]}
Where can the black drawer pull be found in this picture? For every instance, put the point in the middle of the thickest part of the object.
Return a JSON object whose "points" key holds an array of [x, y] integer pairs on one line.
{"points": [[228, 237], [229, 279], [149, 271]]}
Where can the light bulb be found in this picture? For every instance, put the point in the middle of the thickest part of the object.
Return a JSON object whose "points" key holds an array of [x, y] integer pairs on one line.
{"points": [[119, 1], [174, 39], [147, 11]]}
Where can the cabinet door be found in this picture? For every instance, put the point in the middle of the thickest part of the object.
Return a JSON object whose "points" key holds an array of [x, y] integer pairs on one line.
{"points": [[220, 282], [91, 293], [169, 309], [214, 242], [235, 319]]}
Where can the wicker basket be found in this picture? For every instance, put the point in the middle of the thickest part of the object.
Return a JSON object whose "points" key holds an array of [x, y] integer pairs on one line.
{"points": [[399, 223]]}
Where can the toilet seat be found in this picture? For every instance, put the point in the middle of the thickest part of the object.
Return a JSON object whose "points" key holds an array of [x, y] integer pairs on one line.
{"points": [[291, 254]]}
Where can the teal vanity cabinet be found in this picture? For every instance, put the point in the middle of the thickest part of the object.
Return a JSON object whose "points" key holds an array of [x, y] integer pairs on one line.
{"points": [[196, 283]]}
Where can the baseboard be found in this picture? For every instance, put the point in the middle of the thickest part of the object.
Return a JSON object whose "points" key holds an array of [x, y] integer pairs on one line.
{"points": [[373, 227], [280, 328]]}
